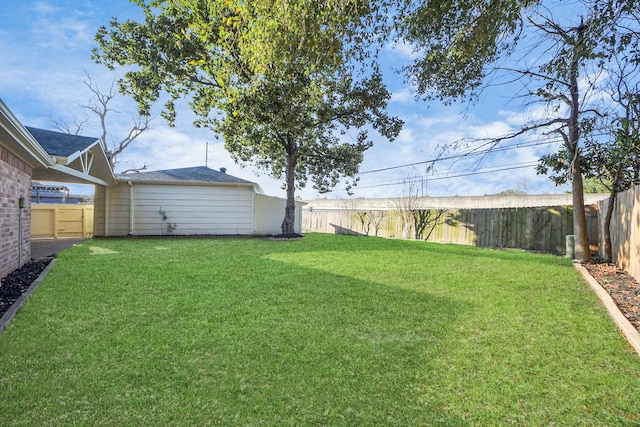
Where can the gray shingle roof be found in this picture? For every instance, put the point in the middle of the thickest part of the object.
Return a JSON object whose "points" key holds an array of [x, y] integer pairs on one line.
{"points": [[195, 174], [59, 143]]}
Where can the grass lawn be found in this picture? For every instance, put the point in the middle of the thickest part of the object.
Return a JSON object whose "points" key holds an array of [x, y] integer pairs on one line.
{"points": [[327, 330]]}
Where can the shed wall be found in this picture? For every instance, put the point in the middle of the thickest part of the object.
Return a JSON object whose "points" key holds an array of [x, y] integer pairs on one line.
{"points": [[99, 211], [194, 209]]}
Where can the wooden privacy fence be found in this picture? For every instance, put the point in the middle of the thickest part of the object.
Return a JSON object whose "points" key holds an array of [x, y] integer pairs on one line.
{"points": [[531, 228], [54, 221], [625, 230]]}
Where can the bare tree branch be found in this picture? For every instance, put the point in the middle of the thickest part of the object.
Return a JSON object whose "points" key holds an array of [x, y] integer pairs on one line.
{"points": [[76, 129], [140, 125], [140, 169], [99, 105], [103, 100], [529, 73]]}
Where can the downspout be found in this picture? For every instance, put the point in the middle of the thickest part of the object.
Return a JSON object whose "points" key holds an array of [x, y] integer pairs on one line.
{"points": [[253, 209], [107, 206], [130, 208], [237, 210], [21, 205]]}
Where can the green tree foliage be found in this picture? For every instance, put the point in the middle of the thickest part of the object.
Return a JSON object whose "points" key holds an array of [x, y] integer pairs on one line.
{"points": [[456, 40], [275, 79], [464, 46], [593, 186]]}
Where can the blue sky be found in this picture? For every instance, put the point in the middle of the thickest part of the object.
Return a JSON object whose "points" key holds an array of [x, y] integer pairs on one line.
{"points": [[45, 51]]}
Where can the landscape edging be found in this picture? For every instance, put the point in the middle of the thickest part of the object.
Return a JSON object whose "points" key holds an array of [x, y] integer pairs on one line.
{"points": [[628, 330]]}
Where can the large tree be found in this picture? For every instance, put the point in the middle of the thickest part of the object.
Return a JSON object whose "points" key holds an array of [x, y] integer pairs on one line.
{"points": [[611, 159], [283, 83], [464, 46]]}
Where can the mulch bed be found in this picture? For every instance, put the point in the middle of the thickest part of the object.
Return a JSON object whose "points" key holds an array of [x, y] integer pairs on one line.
{"points": [[623, 288], [17, 282]]}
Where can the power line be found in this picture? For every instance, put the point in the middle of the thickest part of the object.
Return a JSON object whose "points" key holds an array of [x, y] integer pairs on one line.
{"points": [[475, 153], [529, 165], [479, 172], [437, 177], [465, 172], [456, 156]]}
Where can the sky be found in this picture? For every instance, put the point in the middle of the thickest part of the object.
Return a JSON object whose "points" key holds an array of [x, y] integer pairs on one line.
{"points": [[45, 54]]}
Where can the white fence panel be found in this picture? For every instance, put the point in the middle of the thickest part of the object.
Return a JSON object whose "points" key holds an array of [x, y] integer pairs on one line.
{"points": [[270, 213]]}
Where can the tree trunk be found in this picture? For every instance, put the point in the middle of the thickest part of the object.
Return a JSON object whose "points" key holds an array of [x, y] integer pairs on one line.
{"points": [[288, 224], [608, 253], [582, 250]]}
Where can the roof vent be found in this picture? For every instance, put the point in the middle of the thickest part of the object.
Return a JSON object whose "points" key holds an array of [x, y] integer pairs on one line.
{"points": [[223, 170]]}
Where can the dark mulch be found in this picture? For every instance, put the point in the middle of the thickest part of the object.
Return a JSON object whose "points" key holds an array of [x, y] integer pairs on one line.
{"points": [[623, 288], [287, 236], [17, 282]]}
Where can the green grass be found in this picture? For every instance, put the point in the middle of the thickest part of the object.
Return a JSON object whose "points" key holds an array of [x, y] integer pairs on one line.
{"points": [[328, 330]]}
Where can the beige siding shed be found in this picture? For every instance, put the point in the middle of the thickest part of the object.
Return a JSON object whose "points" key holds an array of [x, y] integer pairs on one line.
{"points": [[199, 201]]}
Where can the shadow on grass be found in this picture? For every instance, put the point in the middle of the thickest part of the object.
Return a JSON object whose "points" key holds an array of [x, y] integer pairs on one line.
{"points": [[185, 333], [327, 330]]}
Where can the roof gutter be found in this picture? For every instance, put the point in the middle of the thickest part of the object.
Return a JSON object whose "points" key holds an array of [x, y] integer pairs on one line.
{"points": [[124, 178], [25, 142]]}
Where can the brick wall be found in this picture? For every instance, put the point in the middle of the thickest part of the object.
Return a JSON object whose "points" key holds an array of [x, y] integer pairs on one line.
{"points": [[15, 224]]}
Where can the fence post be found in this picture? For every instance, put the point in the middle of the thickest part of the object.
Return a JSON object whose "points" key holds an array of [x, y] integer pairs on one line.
{"points": [[55, 223]]}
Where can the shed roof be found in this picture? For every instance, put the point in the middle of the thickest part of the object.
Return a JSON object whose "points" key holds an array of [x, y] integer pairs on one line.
{"points": [[198, 174]]}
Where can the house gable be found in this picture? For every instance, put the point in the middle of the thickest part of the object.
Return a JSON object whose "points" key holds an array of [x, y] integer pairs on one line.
{"points": [[79, 159]]}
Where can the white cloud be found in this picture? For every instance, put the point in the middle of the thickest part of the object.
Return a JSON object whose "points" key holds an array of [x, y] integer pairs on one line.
{"points": [[44, 8], [61, 34], [402, 48], [402, 96], [493, 129]]}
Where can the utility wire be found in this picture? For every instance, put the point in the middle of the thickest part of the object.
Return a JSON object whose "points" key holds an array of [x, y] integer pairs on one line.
{"points": [[436, 177], [456, 156], [479, 172], [463, 172], [472, 152]]}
